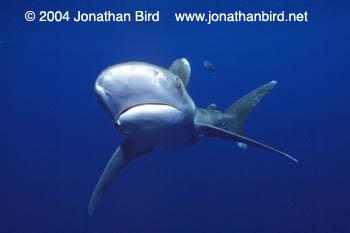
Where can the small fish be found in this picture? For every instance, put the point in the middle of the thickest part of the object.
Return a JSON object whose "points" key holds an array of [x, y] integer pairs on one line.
{"points": [[209, 66]]}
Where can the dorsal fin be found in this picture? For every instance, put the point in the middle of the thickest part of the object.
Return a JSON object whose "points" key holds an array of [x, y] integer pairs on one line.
{"points": [[212, 106], [181, 67]]}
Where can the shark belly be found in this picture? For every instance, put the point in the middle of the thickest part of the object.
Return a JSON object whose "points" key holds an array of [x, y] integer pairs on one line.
{"points": [[212, 117]]}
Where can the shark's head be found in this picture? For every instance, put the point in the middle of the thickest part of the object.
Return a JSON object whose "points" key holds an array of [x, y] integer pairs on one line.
{"points": [[142, 98]]}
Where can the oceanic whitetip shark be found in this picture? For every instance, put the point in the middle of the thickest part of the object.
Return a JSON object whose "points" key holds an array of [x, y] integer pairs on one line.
{"points": [[151, 106]]}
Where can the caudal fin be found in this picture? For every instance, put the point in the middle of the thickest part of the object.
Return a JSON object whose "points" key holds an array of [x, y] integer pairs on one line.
{"points": [[242, 107]]}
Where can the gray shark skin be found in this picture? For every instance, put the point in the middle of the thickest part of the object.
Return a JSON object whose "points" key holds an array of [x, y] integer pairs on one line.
{"points": [[151, 106]]}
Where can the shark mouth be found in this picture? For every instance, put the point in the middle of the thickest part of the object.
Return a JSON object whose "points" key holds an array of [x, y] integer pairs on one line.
{"points": [[136, 111]]}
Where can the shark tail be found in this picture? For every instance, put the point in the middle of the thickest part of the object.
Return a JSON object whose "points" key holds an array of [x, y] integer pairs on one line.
{"points": [[242, 108]]}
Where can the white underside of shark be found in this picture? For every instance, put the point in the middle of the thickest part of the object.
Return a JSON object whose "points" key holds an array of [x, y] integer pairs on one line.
{"points": [[151, 106]]}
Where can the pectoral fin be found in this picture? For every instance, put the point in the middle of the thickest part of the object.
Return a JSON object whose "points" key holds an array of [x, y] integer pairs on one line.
{"points": [[126, 152], [212, 131]]}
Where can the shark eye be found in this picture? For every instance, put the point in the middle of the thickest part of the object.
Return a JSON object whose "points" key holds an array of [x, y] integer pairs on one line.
{"points": [[178, 82]]}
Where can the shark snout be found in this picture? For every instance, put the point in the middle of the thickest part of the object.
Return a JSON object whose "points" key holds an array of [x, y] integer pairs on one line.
{"points": [[103, 95], [143, 99]]}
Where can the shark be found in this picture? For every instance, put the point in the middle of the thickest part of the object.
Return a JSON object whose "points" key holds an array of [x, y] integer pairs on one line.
{"points": [[150, 105]]}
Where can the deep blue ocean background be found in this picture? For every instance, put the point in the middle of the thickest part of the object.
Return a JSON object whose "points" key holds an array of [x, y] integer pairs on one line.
{"points": [[56, 139]]}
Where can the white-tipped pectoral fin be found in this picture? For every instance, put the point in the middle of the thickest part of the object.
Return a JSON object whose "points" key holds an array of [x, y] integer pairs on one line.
{"points": [[212, 131], [126, 152]]}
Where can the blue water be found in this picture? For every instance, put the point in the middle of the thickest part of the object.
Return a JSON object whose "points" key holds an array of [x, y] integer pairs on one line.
{"points": [[56, 139]]}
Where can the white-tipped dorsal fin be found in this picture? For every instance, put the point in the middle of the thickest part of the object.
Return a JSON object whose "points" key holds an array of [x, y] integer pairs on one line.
{"points": [[212, 106], [181, 67]]}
